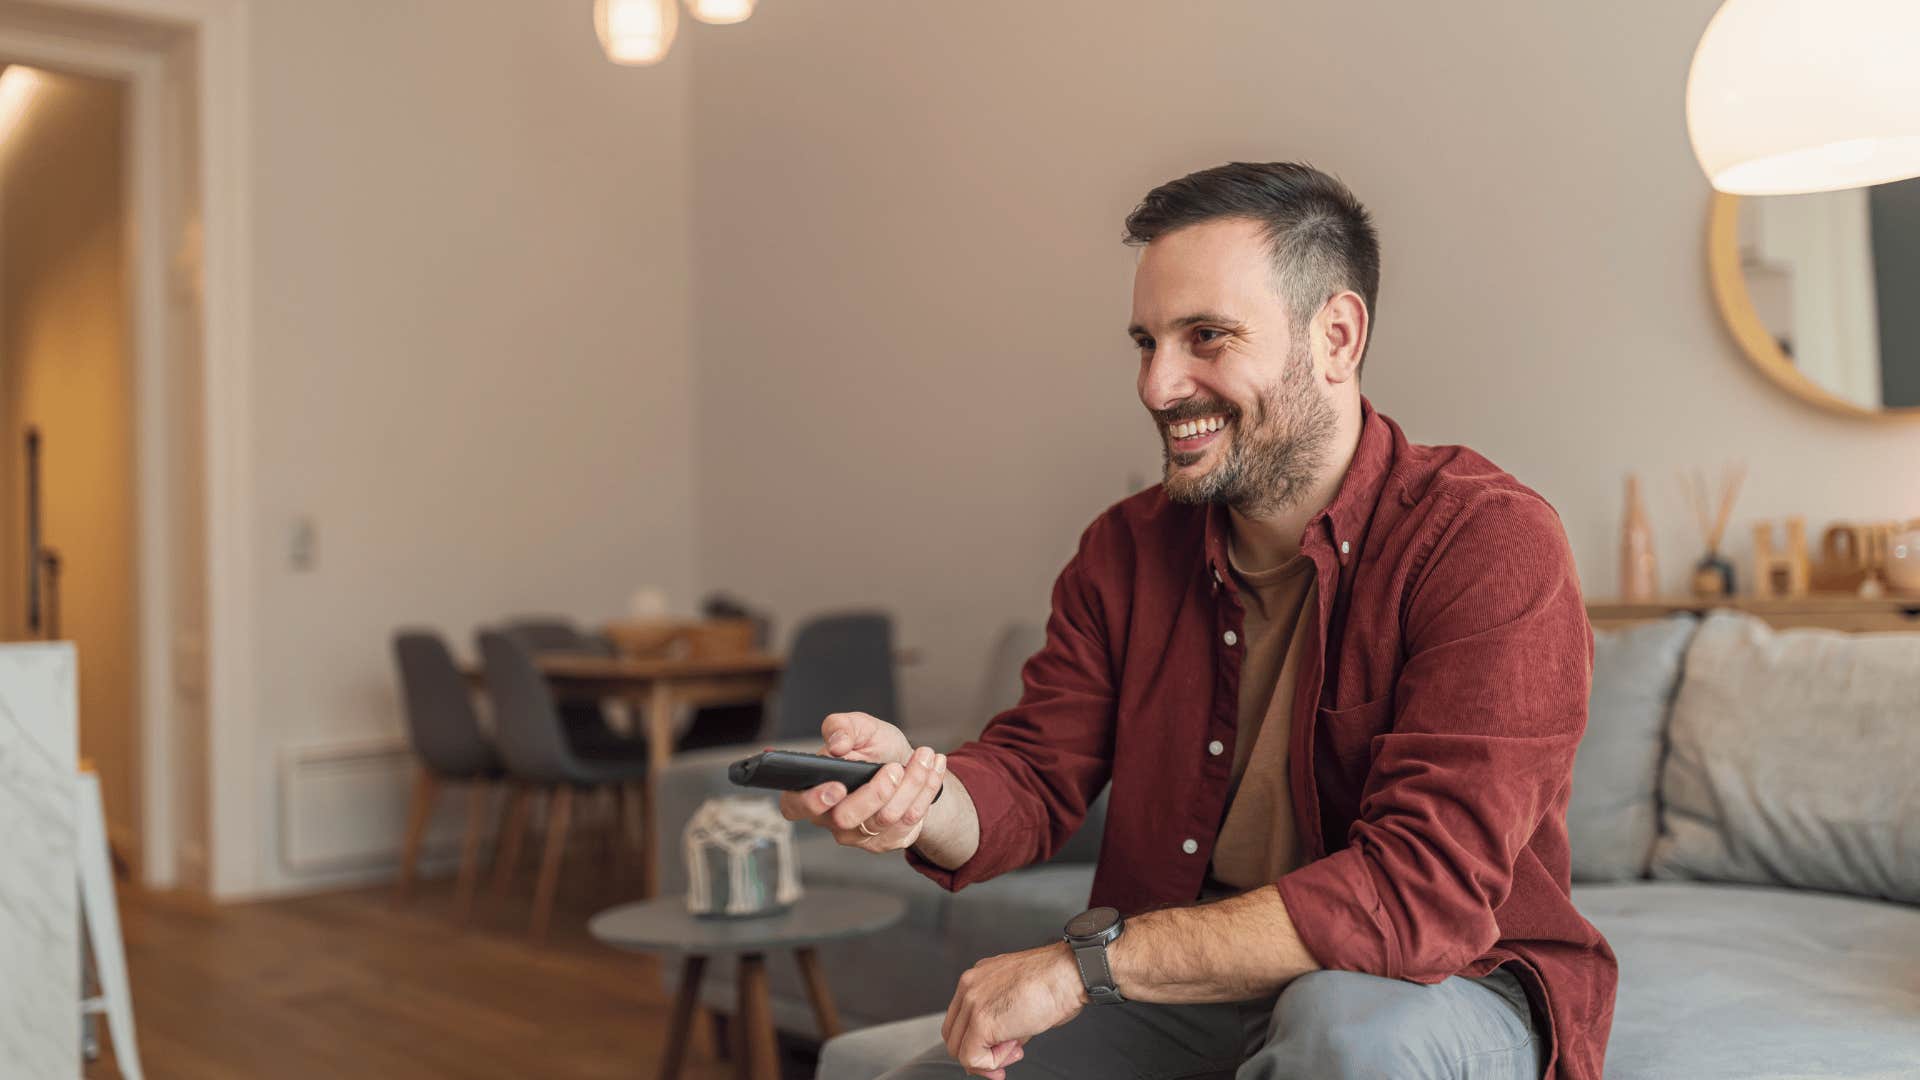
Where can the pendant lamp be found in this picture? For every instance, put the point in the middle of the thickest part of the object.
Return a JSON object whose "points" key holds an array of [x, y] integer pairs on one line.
{"points": [[1792, 96], [636, 32]]}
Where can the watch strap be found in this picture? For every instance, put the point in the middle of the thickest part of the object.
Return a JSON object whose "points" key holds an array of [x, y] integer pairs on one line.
{"points": [[1095, 974]]}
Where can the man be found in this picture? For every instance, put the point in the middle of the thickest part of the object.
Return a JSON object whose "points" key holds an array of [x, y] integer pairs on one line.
{"points": [[1336, 681]]}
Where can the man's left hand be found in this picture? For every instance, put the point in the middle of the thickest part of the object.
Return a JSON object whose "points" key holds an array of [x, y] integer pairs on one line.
{"points": [[1003, 1001]]}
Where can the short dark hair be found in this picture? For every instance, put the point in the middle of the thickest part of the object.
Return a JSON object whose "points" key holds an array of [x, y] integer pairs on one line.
{"points": [[1322, 238]]}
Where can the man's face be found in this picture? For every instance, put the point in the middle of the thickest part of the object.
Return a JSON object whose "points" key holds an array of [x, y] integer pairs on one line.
{"points": [[1233, 388]]}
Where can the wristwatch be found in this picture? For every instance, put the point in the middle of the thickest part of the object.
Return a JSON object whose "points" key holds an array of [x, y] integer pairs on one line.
{"points": [[1088, 935]]}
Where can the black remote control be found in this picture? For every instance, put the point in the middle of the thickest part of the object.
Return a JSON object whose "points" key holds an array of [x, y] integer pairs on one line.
{"points": [[784, 770]]}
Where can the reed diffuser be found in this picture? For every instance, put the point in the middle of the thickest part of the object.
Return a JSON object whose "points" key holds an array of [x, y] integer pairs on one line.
{"points": [[1713, 574]]}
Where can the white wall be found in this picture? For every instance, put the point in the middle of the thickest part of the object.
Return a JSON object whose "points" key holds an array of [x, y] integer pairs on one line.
{"points": [[470, 348], [913, 387]]}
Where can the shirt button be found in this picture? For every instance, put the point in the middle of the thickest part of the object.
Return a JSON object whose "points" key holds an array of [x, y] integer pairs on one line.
{"points": [[1344, 547], [1189, 846], [1231, 638], [1216, 748]]}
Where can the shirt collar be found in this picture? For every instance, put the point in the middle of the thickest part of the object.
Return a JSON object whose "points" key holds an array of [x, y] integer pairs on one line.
{"points": [[1351, 507]]}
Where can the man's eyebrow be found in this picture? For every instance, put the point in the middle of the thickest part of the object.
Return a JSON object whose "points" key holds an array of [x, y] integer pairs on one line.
{"points": [[1189, 320]]}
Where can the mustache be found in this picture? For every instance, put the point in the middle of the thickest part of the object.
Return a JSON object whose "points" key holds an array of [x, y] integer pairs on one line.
{"points": [[1194, 410]]}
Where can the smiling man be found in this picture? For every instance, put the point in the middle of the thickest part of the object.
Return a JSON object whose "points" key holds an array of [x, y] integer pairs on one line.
{"points": [[1336, 681]]}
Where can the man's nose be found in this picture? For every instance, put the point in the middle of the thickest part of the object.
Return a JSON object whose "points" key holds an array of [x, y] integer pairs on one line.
{"points": [[1166, 381]]}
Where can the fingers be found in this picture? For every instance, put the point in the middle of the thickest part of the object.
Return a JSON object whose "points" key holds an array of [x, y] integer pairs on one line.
{"points": [[868, 798], [918, 811], [810, 804], [917, 787], [844, 731]]}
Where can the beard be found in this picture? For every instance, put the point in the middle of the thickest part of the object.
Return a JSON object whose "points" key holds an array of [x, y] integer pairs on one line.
{"points": [[1271, 457]]}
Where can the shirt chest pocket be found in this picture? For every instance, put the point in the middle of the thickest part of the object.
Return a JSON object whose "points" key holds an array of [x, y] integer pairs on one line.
{"points": [[1343, 750]]}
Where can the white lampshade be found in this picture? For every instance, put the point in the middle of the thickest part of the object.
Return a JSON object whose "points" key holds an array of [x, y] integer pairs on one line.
{"points": [[1789, 96], [636, 31], [720, 12]]}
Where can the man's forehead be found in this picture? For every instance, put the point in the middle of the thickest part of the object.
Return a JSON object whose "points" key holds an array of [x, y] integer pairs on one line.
{"points": [[1212, 266]]}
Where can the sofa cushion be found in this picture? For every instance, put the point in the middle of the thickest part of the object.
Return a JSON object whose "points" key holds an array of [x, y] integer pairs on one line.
{"points": [[1792, 760], [1612, 815], [1738, 981]]}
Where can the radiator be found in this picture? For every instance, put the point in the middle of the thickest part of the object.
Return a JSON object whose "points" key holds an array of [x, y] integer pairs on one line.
{"points": [[343, 806]]}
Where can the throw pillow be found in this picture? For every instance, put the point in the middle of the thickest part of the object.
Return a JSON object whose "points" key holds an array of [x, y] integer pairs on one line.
{"points": [[1612, 814], [1794, 759]]}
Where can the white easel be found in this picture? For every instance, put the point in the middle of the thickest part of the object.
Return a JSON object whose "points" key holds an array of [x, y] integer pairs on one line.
{"points": [[103, 925]]}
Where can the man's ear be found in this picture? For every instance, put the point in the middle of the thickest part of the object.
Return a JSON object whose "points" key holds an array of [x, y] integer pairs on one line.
{"points": [[1340, 332]]}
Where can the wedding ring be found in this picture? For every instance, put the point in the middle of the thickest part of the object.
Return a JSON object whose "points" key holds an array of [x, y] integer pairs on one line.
{"points": [[864, 829]]}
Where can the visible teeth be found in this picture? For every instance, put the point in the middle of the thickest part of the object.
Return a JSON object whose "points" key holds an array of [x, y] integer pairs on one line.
{"points": [[1187, 429]]}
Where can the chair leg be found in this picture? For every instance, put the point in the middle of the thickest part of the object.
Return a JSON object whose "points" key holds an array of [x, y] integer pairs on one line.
{"points": [[649, 855], [478, 793], [425, 786], [506, 846], [102, 920], [559, 811], [631, 832]]}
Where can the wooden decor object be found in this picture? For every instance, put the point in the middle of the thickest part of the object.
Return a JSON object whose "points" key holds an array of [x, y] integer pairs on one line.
{"points": [[719, 637], [1639, 576], [1785, 571], [1851, 555]]}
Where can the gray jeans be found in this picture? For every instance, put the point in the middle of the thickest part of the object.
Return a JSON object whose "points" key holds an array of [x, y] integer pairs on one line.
{"points": [[1329, 1025]]}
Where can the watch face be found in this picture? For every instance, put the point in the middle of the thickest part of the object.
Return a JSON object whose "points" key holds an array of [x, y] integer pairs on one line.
{"points": [[1089, 923]]}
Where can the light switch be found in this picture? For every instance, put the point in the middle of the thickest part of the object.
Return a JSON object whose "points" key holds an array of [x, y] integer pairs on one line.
{"points": [[303, 548]]}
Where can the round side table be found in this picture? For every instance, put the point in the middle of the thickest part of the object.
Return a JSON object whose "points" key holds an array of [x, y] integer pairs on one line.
{"points": [[663, 925]]}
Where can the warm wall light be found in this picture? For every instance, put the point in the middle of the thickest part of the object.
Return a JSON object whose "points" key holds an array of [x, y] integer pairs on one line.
{"points": [[17, 87], [1790, 96], [720, 12], [636, 31]]}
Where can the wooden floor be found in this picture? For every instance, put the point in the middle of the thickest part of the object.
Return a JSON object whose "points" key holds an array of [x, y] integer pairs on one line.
{"points": [[349, 985]]}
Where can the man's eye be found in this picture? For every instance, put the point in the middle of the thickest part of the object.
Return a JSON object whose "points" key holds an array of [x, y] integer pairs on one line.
{"points": [[1207, 334], [1144, 344]]}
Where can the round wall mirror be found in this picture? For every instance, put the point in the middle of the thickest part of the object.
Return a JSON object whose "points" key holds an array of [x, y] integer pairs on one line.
{"points": [[1823, 292]]}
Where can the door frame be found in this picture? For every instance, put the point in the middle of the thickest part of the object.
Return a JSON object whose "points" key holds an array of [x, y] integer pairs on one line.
{"points": [[184, 56]]}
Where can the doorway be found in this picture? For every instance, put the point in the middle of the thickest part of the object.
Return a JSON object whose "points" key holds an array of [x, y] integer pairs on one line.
{"points": [[68, 547], [181, 70]]}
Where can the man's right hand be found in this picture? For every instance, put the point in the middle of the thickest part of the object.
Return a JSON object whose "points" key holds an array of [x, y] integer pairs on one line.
{"points": [[892, 806]]}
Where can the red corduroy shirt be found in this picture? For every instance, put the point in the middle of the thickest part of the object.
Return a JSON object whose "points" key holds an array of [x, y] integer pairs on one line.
{"points": [[1434, 727]]}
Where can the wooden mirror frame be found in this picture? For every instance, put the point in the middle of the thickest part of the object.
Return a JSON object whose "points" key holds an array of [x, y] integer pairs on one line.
{"points": [[1736, 309]]}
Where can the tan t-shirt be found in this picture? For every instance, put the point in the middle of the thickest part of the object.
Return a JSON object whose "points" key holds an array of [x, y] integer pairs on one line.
{"points": [[1257, 842]]}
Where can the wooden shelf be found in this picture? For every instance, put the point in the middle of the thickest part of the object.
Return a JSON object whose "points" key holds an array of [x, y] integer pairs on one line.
{"points": [[1833, 611]]}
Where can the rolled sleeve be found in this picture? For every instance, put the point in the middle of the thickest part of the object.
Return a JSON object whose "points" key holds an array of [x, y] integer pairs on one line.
{"points": [[1488, 712], [1037, 767]]}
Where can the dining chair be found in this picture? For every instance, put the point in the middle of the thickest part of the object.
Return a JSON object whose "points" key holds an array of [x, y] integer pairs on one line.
{"points": [[585, 722], [842, 662], [449, 746], [533, 744]]}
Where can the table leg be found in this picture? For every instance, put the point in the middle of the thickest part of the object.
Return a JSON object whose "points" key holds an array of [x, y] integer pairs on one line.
{"points": [[661, 704], [759, 1054], [824, 1011], [684, 1005]]}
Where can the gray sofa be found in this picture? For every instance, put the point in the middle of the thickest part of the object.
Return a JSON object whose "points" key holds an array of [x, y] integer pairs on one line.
{"points": [[1743, 835]]}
